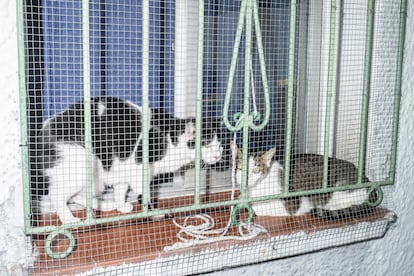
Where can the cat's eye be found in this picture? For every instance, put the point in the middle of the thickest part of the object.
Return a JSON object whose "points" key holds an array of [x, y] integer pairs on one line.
{"points": [[257, 170]]}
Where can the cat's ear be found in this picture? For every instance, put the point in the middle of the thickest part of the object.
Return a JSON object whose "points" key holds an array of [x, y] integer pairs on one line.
{"points": [[190, 130], [268, 155], [101, 108]]}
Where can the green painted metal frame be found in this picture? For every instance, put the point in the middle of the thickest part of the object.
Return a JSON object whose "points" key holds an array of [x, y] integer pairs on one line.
{"points": [[397, 88], [365, 89], [87, 108], [199, 99], [328, 104], [145, 105], [248, 17], [23, 115], [290, 97]]}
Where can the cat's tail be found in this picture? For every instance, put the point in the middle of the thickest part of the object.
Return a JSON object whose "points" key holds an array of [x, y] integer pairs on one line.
{"points": [[355, 211]]}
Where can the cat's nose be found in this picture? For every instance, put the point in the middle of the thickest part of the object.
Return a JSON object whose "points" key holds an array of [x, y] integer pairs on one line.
{"points": [[191, 144]]}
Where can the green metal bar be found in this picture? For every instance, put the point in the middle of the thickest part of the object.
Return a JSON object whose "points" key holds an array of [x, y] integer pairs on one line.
{"points": [[289, 108], [199, 100], [23, 114], [248, 13], [46, 229], [96, 221], [246, 99], [331, 52], [233, 64], [366, 88], [313, 192], [249, 6], [397, 89], [339, 51], [87, 108], [145, 105], [263, 73], [302, 93]]}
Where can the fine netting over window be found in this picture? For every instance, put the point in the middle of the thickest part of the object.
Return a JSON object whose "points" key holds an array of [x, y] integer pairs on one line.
{"points": [[179, 137]]}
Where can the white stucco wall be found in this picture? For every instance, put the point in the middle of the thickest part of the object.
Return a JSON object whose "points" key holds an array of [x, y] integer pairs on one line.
{"points": [[392, 255], [12, 239]]}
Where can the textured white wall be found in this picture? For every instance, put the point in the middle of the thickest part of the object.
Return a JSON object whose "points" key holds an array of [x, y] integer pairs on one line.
{"points": [[12, 239], [392, 255]]}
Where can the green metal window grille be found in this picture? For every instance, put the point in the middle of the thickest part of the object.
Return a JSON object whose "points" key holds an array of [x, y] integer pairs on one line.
{"points": [[248, 51]]}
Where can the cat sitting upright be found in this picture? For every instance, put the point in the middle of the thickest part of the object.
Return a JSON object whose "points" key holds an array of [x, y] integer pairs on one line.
{"points": [[265, 178], [117, 159]]}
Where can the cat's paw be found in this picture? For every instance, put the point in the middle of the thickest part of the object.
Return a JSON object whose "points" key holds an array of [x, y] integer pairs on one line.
{"points": [[105, 206], [125, 208]]}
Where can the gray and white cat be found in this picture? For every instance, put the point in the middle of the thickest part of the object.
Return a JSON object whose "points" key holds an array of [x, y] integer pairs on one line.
{"points": [[61, 158], [265, 178]]}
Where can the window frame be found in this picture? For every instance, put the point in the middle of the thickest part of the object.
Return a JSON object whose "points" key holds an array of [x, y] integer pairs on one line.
{"points": [[382, 223]]}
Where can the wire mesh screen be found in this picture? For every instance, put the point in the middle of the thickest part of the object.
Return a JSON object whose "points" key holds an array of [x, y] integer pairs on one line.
{"points": [[179, 137]]}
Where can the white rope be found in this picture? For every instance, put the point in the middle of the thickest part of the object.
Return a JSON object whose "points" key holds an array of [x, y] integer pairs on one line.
{"points": [[203, 233]]}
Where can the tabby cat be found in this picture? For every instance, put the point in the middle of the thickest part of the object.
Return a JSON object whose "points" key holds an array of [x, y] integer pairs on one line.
{"points": [[265, 177]]}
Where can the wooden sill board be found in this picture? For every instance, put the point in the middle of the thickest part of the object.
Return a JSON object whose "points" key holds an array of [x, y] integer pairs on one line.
{"points": [[138, 241]]}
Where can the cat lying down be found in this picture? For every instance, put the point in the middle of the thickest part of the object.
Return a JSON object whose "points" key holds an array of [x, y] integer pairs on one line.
{"points": [[265, 178]]}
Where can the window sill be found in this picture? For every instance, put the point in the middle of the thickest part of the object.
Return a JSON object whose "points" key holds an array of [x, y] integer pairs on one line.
{"points": [[139, 245]]}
